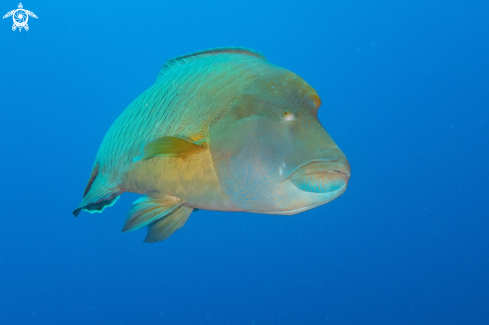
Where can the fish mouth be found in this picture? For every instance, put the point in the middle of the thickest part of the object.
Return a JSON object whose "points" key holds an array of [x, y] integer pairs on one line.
{"points": [[322, 176]]}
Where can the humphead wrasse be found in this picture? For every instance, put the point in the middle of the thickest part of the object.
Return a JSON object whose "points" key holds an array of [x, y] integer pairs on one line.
{"points": [[221, 129]]}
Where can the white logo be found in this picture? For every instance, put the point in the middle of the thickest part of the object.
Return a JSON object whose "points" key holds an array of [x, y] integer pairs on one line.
{"points": [[20, 17]]}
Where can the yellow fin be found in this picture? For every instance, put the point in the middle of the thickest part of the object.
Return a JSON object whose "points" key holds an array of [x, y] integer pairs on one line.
{"points": [[150, 208], [168, 146], [165, 227]]}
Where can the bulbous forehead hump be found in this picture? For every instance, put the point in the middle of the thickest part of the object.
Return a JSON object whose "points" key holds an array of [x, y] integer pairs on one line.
{"points": [[274, 82]]}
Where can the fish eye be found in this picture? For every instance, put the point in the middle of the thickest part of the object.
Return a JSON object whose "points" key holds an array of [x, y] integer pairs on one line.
{"points": [[287, 115]]}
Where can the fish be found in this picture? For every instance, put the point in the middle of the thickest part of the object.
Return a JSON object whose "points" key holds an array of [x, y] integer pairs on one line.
{"points": [[221, 129]]}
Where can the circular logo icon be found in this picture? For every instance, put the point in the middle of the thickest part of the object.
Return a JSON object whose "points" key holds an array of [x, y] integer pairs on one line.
{"points": [[20, 17]]}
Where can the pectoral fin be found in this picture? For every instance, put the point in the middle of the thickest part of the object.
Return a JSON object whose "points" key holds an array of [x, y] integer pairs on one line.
{"points": [[149, 209], [169, 146], [164, 228]]}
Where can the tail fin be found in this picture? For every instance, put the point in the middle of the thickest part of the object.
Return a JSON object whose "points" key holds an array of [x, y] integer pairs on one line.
{"points": [[97, 196]]}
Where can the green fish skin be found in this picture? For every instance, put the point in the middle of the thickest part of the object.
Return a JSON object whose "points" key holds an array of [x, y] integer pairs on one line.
{"points": [[221, 129]]}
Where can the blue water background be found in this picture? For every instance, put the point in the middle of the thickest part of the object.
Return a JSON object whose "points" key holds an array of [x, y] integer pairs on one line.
{"points": [[404, 86]]}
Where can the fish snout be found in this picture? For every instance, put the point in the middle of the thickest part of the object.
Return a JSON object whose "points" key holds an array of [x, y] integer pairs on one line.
{"points": [[322, 176]]}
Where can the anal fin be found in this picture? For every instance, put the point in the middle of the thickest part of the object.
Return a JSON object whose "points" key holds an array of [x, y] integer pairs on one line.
{"points": [[164, 228], [150, 208]]}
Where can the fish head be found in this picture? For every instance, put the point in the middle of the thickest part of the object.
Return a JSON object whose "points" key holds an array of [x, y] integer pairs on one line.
{"points": [[270, 152]]}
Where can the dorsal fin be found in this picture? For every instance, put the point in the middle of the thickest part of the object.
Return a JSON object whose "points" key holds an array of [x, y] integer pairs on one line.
{"points": [[176, 62]]}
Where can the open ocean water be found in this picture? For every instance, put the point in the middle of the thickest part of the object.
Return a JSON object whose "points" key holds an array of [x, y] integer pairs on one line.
{"points": [[404, 88]]}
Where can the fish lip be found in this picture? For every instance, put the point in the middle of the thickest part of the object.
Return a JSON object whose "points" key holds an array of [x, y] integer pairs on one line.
{"points": [[305, 164], [341, 190], [347, 167], [340, 172], [336, 168]]}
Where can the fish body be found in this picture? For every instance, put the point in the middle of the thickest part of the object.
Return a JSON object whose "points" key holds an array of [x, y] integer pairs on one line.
{"points": [[221, 129]]}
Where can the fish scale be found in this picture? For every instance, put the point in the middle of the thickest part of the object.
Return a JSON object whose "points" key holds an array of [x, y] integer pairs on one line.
{"points": [[128, 145]]}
